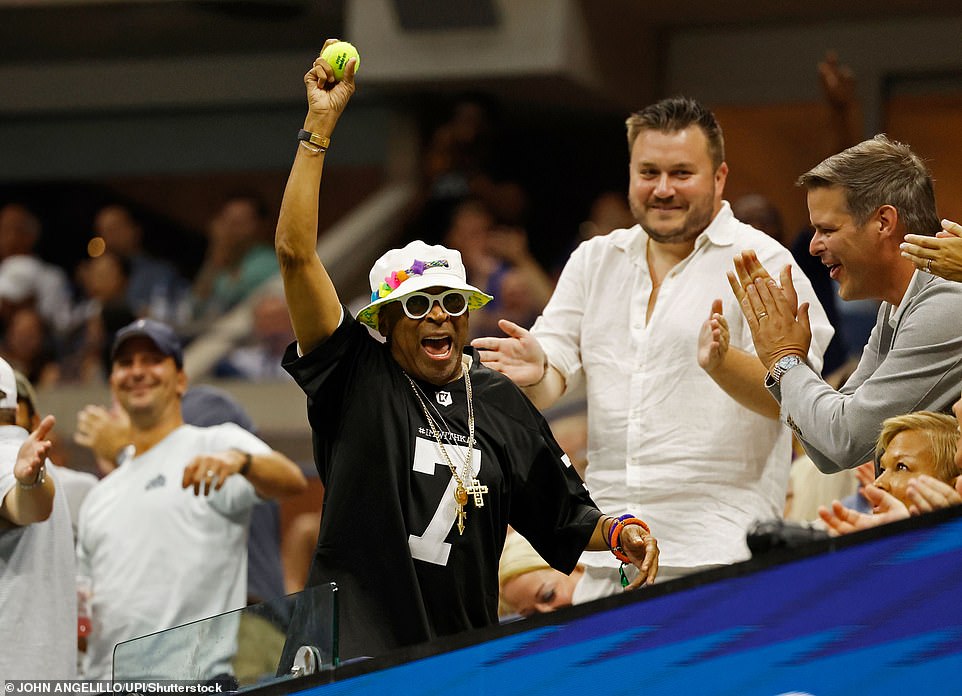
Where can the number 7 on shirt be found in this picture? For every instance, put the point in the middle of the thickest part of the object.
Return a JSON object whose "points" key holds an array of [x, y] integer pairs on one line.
{"points": [[431, 546]]}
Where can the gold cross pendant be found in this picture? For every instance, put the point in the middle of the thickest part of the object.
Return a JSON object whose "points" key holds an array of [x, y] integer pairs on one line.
{"points": [[476, 489], [461, 498]]}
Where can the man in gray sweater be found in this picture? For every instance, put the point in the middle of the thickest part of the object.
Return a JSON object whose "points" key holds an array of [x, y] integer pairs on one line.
{"points": [[862, 203]]}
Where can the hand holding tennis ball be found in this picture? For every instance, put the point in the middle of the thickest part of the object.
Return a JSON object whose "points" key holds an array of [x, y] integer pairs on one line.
{"points": [[338, 54]]}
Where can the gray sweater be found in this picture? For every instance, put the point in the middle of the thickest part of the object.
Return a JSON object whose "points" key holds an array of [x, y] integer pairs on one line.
{"points": [[912, 362]]}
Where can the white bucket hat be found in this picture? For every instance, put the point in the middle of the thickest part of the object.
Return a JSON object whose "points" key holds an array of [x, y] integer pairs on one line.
{"points": [[417, 266]]}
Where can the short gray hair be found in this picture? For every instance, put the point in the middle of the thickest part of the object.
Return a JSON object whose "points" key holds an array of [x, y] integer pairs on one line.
{"points": [[879, 172]]}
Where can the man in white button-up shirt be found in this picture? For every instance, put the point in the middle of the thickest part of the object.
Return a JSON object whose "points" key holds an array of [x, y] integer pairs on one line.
{"points": [[681, 429]]}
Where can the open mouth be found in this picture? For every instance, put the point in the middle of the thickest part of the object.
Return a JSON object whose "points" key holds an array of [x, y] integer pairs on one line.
{"points": [[437, 348], [834, 270]]}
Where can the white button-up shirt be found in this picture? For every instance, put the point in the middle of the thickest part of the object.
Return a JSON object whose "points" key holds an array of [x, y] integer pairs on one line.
{"points": [[664, 441]]}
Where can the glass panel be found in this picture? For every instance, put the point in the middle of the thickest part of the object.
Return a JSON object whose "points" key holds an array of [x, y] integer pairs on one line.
{"points": [[248, 647]]}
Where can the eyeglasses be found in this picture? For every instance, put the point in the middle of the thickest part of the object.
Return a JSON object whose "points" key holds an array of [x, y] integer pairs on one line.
{"points": [[418, 305]]}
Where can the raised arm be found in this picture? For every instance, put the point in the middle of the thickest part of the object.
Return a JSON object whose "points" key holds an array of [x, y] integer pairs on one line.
{"points": [[30, 500], [739, 373], [311, 298], [920, 370]]}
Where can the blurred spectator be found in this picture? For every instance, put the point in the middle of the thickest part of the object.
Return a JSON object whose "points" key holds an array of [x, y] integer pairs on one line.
{"points": [[459, 150], [260, 360], [239, 257], [838, 85], [455, 159], [759, 212], [531, 284], [28, 346], [155, 288], [609, 212], [26, 280], [104, 310], [498, 261], [106, 432]]}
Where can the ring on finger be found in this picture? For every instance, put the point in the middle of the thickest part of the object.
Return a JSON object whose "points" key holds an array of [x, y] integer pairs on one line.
{"points": [[760, 315], [210, 473], [928, 265]]}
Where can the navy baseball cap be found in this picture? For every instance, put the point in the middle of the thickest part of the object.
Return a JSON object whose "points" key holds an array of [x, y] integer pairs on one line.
{"points": [[159, 333]]}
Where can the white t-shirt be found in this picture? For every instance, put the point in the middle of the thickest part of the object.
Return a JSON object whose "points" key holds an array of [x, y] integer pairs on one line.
{"points": [[38, 598], [159, 556], [664, 441], [75, 485]]}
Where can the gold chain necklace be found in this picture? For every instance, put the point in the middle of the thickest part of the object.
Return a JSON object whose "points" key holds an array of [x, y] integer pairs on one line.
{"points": [[473, 487]]}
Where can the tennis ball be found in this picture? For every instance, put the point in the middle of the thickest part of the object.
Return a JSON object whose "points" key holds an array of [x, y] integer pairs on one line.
{"points": [[337, 55]]}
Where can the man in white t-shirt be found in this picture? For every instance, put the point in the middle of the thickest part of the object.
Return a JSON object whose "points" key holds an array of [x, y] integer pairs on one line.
{"points": [[38, 606], [679, 422], [163, 537]]}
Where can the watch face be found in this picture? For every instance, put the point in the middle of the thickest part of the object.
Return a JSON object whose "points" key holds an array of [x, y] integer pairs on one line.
{"points": [[783, 365]]}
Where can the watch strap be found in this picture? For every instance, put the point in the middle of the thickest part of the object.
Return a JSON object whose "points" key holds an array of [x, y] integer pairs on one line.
{"points": [[783, 365], [321, 141]]}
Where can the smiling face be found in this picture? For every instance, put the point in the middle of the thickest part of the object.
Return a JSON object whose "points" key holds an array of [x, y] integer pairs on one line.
{"points": [[675, 191], [146, 382], [851, 252], [908, 455], [429, 348]]}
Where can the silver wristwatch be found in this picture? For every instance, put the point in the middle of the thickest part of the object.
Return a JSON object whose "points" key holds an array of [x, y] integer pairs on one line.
{"points": [[782, 366]]}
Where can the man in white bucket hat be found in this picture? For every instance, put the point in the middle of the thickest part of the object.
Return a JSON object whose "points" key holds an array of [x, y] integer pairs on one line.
{"points": [[426, 456]]}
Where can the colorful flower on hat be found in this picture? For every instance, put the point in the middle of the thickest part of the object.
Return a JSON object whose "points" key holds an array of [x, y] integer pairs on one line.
{"points": [[392, 281]]}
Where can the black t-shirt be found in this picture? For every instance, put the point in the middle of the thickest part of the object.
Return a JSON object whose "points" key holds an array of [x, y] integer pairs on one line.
{"points": [[388, 536]]}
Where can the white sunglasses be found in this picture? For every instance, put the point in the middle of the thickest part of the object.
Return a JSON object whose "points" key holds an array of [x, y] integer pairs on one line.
{"points": [[418, 305]]}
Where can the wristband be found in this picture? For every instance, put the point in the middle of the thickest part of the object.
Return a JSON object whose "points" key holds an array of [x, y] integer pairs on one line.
{"points": [[41, 477], [619, 526], [319, 141], [246, 466]]}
